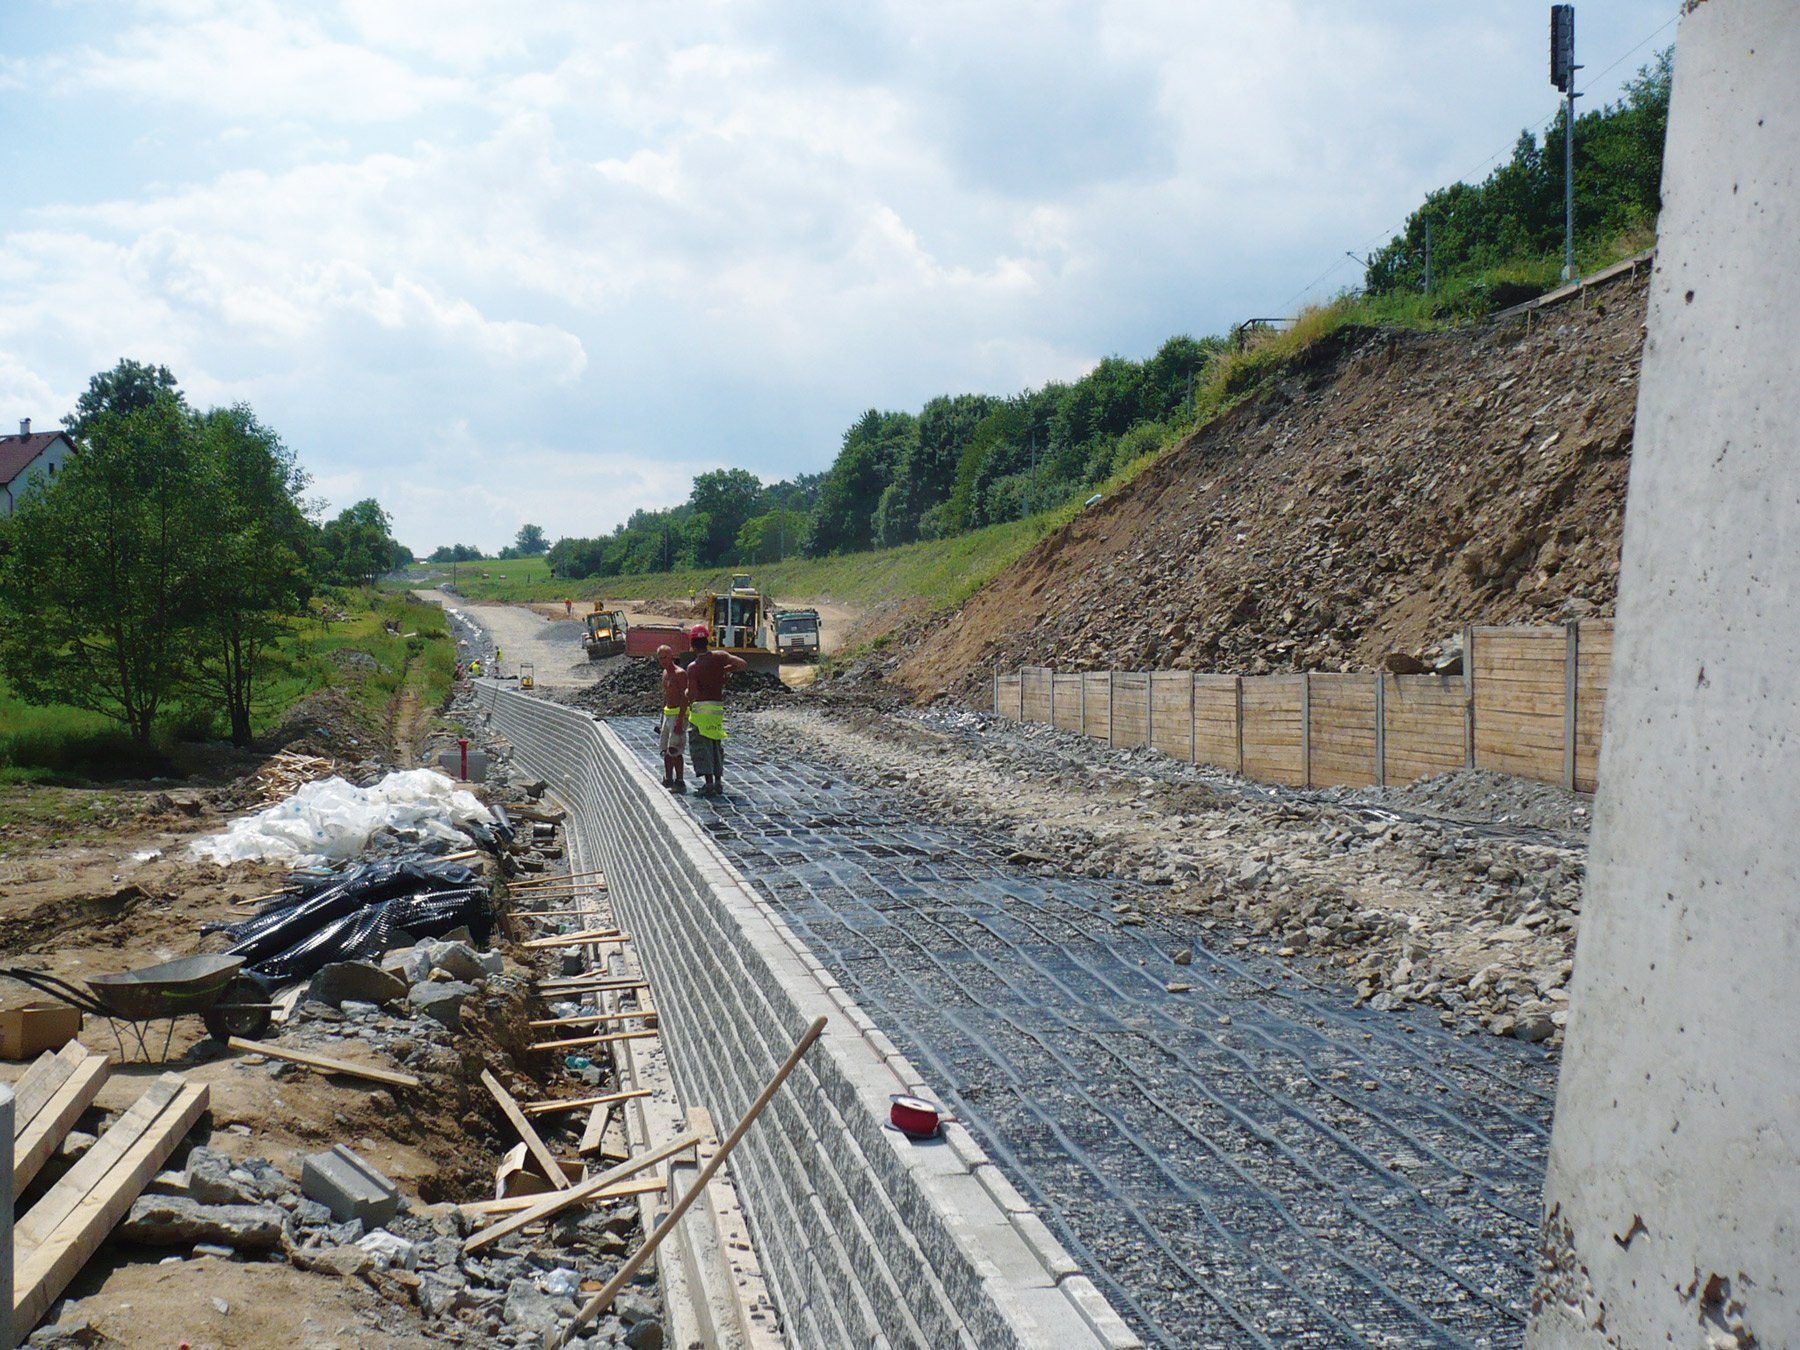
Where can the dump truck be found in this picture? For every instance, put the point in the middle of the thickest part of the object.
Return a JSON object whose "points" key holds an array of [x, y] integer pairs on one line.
{"points": [[605, 633], [797, 634], [738, 621]]}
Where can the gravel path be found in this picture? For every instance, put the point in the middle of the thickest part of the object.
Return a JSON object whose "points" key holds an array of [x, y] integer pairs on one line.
{"points": [[1238, 1153]]}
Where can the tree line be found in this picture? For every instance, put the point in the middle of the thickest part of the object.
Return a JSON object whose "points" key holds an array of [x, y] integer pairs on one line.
{"points": [[1516, 214], [161, 564]]}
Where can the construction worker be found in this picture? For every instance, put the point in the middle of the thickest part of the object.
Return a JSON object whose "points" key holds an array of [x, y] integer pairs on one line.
{"points": [[475, 669], [568, 609], [706, 712], [672, 728], [497, 655]]}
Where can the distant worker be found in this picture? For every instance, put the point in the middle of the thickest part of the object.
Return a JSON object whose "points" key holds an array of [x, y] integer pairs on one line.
{"points": [[475, 669], [672, 728], [568, 609], [497, 655], [706, 711]]}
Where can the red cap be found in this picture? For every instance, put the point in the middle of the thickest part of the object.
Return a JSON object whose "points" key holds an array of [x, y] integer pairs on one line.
{"points": [[700, 630]]}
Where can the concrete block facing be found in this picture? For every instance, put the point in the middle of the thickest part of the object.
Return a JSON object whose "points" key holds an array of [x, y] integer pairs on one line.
{"points": [[349, 1187]]}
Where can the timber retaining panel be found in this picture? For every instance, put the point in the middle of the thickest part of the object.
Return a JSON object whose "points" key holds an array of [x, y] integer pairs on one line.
{"points": [[867, 1239]]}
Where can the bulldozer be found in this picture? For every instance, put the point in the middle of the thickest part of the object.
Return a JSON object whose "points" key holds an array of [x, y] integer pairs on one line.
{"points": [[605, 633], [739, 624]]}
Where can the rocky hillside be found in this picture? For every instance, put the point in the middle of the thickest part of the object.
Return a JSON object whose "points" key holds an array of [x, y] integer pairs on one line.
{"points": [[1384, 490]]}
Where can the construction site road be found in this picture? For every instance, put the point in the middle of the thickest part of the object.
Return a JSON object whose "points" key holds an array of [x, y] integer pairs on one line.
{"points": [[1234, 1149]]}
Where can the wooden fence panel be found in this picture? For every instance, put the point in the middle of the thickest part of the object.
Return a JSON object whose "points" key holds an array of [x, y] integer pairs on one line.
{"points": [[1593, 665], [1097, 686], [1424, 726], [1067, 701], [1343, 730], [1273, 750], [1215, 721], [1008, 699], [1521, 689], [1171, 709], [1132, 692], [1037, 694]]}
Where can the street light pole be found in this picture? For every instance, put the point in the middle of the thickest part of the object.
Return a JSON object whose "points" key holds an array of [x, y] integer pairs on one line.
{"points": [[1562, 75]]}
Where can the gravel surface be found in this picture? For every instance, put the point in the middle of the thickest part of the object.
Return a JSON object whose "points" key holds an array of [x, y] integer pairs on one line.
{"points": [[1236, 1151]]}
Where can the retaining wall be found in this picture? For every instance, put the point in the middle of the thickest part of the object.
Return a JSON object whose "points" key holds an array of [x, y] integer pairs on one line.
{"points": [[1530, 705], [866, 1239]]}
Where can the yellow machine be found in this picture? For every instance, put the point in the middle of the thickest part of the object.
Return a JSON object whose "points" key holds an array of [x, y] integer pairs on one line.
{"points": [[739, 624], [527, 675], [605, 633]]}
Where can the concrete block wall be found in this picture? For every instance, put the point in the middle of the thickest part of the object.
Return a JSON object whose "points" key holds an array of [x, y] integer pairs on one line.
{"points": [[867, 1239]]}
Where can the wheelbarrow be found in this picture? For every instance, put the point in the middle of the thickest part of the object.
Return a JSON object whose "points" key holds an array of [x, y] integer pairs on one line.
{"points": [[228, 1000]]}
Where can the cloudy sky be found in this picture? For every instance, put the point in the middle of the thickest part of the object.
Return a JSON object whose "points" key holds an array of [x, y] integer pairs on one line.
{"points": [[496, 263]]}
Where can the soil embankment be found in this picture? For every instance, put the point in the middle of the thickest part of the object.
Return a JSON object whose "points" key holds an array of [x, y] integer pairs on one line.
{"points": [[1387, 489]]}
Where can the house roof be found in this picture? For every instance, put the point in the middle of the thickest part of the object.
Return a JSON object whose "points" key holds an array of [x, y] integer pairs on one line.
{"points": [[18, 451]]}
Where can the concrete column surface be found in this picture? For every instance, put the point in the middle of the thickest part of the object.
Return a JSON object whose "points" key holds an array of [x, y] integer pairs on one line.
{"points": [[1672, 1206]]}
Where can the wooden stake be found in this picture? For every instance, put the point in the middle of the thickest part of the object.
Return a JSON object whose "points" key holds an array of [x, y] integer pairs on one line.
{"points": [[561, 876], [547, 1160], [603, 1300], [577, 939], [592, 1019], [593, 1138], [552, 1205], [624, 1190], [322, 1063]]}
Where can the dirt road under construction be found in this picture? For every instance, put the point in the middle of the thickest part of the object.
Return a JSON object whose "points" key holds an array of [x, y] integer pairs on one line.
{"points": [[1236, 1146]]}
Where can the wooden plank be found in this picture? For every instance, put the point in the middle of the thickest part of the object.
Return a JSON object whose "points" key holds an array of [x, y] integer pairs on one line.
{"points": [[593, 1019], [547, 1160], [53, 1119], [322, 1063], [593, 1137], [581, 939], [48, 1072], [83, 1208], [592, 1040], [552, 1205], [579, 1103], [624, 1190]]}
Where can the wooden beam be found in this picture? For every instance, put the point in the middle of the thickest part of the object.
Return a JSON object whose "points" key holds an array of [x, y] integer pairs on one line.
{"points": [[37, 1134], [624, 1190], [552, 1165], [580, 1103], [593, 1138], [560, 876], [66, 1227], [579, 1041], [581, 984], [580, 939], [592, 1019], [587, 1191], [322, 1063]]}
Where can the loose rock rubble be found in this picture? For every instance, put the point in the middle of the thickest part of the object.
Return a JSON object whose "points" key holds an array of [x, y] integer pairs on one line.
{"points": [[1383, 492], [1475, 919]]}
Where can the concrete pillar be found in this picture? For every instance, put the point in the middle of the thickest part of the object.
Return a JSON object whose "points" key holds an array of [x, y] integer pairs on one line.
{"points": [[1672, 1208]]}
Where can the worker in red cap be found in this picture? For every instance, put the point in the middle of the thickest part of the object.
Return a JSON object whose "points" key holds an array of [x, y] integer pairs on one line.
{"points": [[706, 674]]}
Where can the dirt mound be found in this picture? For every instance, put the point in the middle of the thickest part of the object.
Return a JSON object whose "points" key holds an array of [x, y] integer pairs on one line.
{"points": [[328, 723], [1387, 489], [632, 686]]}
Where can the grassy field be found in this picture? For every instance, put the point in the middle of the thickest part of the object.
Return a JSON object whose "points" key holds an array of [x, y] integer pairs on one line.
{"points": [[407, 643], [939, 572]]}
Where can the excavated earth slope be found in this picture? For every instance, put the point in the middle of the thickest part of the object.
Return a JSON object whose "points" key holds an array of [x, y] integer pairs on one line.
{"points": [[1385, 490]]}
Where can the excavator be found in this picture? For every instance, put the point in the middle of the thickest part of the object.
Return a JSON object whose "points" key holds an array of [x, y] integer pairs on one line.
{"points": [[739, 624]]}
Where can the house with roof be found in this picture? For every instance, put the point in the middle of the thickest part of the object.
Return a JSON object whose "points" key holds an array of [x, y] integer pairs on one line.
{"points": [[27, 457]]}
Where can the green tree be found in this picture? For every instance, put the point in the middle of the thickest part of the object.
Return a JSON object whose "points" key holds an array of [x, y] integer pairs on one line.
{"points": [[128, 387], [727, 498], [843, 521], [771, 537], [100, 580], [530, 541], [252, 557], [357, 547]]}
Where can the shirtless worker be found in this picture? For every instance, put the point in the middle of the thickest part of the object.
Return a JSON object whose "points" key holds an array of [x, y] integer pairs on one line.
{"points": [[706, 711], [672, 729]]}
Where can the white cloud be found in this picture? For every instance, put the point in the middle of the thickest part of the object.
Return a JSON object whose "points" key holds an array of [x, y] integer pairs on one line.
{"points": [[497, 262]]}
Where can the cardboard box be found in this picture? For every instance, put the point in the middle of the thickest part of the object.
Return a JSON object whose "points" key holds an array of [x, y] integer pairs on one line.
{"points": [[25, 1033]]}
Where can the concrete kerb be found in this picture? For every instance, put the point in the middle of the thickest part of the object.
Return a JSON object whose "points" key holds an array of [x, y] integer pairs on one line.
{"points": [[915, 1245]]}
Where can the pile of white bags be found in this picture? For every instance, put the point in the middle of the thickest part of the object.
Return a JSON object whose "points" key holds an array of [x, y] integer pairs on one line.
{"points": [[331, 821]]}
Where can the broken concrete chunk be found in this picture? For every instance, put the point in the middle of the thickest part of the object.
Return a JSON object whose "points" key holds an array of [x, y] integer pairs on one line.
{"points": [[360, 981], [532, 1310], [349, 1187], [349, 1262], [210, 1180], [174, 1221], [458, 960], [389, 1250], [441, 999]]}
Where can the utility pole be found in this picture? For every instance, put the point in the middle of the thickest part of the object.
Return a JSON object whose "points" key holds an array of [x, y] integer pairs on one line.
{"points": [[1031, 484], [1562, 75], [1428, 255]]}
